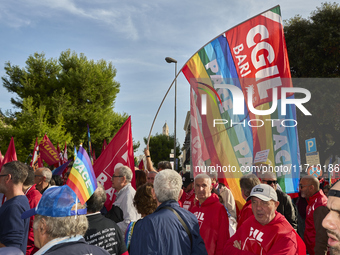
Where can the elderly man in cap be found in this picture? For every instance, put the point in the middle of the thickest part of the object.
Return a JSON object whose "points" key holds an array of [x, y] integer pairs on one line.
{"points": [[188, 196], [286, 207], [267, 231], [171, 229], [332, 220], [60, 223]]}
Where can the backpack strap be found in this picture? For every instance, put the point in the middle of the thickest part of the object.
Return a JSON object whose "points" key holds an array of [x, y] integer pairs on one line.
{"points": [[181, 220]]}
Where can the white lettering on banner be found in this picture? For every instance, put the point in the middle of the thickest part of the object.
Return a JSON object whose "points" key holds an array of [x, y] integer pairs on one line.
{"points": [[280, 141], [199, 216], [256, 234], [244, 149]]}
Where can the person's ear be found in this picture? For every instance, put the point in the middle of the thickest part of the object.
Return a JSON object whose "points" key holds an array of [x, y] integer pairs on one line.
{"points": [[276, 203]]}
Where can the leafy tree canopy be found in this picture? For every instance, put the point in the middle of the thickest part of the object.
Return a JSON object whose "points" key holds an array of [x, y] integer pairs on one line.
{"points": [[60, 97], [160, 148], [313, 46]]}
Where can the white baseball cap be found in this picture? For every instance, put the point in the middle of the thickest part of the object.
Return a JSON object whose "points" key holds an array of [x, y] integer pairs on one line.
{"points": [[263, 192]]}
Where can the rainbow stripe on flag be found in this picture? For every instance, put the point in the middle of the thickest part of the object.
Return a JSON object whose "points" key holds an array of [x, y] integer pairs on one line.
{"points": [[252, 57], [82, 179]]}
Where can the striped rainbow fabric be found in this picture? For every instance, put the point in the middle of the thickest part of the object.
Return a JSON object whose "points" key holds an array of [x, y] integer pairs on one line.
{"points": [[251, 56], [82, 179]]}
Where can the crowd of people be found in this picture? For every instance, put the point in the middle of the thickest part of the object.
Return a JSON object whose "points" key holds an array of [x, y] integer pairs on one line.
{"points": [[167, 213]]}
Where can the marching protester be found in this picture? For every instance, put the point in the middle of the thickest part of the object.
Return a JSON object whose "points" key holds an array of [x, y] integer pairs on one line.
{"points": [[170, 229], [267, 231], [33, 196], [286, 207], [212, 216], [151, 177], [59, 226], [43, 176], [102, 231], [13, 230], [332, 220], [247, 183], [315, 236], [121, 182]]}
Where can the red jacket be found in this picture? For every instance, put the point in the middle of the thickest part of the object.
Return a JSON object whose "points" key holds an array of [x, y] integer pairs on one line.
{"points": [[214, 223], [244, 214], [277, 237], [315, 201], [33, 196], [188, 199]]}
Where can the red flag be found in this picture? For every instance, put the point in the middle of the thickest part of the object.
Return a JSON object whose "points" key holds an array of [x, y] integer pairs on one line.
{"points": [[48, 151], [36, 159], [104, 145], [94, 156], [119, 152], [141, 165], [11, 154], [65, 154], [61, 160], [1, 158]]}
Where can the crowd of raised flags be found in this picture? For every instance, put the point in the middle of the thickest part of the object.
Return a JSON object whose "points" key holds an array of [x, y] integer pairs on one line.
{"points": [[86, 170]]}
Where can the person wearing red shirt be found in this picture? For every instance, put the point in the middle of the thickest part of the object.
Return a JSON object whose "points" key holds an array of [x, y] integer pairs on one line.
{"points": [[188, 196], [212, 216], [247, 182], [267, 231], [33, 195], [315, 235]]}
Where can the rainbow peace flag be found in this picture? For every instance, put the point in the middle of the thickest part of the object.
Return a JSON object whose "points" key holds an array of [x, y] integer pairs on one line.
{"points": [[248, 61], [82, 179]]}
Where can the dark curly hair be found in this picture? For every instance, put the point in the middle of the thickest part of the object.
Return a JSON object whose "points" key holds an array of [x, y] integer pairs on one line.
{"points": [[144, 201]]}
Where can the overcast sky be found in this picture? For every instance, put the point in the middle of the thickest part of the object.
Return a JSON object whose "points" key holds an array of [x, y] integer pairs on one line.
{"points": [[135, 36]]}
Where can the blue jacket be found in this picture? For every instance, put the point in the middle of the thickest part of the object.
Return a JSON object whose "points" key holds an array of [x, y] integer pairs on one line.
{"points": [[162, 233]]}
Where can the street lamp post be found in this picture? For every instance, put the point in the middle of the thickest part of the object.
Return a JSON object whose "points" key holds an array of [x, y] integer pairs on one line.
{"points": [[171, 60]]}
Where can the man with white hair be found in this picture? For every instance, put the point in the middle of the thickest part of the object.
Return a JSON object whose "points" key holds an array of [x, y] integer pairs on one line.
{"points": [[121, 182], [42, 178], [170, 229], [286, 207], [267, 231], [211, 215]]}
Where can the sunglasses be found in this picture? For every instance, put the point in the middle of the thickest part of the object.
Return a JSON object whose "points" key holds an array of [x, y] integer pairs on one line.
{"points": [[270, 182]]}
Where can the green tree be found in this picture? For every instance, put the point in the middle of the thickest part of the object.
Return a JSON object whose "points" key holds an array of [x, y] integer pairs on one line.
{"points": [[160, 147], [29, 124], [313, 46], [72, 92]]}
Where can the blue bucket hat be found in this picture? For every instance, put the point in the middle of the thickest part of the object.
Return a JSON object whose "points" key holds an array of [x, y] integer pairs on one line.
{"points": [[56, 201]]}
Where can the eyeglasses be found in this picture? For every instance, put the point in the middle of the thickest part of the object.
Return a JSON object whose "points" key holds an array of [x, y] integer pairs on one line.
{"points": [[301, 186], [270, 182], [38, 175], [113, 176], [1, 175]]}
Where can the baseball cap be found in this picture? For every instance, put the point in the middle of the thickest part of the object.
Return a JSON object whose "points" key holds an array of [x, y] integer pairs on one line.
{"points": [[186, 178], [56, 201], [263, 192]]}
